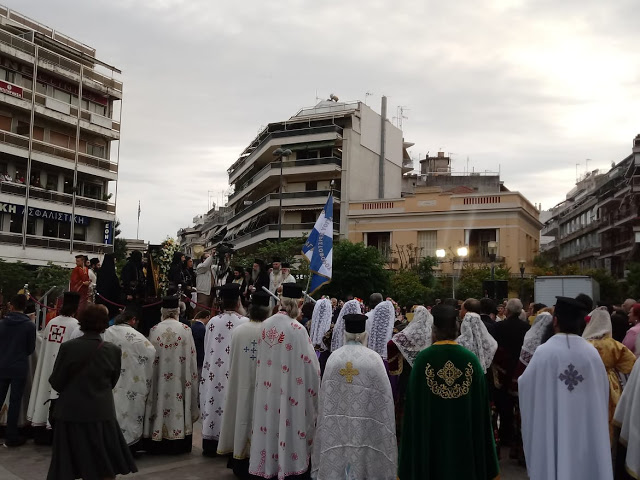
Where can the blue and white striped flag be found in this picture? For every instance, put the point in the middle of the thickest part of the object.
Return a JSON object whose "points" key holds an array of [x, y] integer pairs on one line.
{"points": [[319, 248]]}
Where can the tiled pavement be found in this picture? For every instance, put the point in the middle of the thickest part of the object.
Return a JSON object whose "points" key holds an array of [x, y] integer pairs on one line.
{"points": [[31, 462]]}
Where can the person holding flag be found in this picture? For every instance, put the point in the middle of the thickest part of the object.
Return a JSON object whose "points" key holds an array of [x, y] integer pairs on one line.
{"points": [[318, 248]]}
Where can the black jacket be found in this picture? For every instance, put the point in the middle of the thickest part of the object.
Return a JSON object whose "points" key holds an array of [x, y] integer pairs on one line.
{"points": [[17, 342], [620, 325], [489, 323], [108, 285], [198, 330], [133, 280], [84, 376]]}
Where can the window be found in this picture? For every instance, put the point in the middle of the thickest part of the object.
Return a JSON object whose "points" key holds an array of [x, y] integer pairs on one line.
{"points": [[68, 185], [92, 190], [35, 178], [80, 233], [59, 139], [427, 243], [23, 128], [95, 150], [7, 75], [15, 224], [5, 123], [62, 95], [479, 243], [94, 107], [54, 229], [41, 88], [309, 217], [52, 181], [311, 186], [381, 241]]}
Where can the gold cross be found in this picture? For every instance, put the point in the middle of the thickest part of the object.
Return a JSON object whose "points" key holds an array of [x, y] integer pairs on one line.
{"points": [[349, 372]]}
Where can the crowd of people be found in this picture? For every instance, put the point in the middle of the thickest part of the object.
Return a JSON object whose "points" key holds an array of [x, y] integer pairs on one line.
{"points": [[288, 387]]}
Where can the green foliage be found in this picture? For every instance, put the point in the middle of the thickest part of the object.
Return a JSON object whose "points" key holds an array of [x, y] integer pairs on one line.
{"points": [[407, 289], [357, 270], [611, 291], [51, 276], [13, 277], [287, 250], [633, 281], [425, 271], [469, 285]]}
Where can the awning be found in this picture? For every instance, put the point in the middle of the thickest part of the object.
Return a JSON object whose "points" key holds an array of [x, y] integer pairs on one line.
{"points": [[309, 145], [215, 231], [303, 208]]}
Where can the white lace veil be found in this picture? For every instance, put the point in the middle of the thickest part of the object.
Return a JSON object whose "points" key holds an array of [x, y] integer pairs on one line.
{"points": [[533, 338], [475, 337], [416, 336], [320, 321], [599, 326], [384, 316], [337, 338]]}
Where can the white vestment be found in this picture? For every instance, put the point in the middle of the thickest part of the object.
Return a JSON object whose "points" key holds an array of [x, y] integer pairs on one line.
{"points": [[337, 337], [136, 371], [320, 322], [564, 402], [286, 399], [475, 337], [235, 434], [627, 417], [275, 280], [215, 370], [381, 330], [172, 404], [58, 331], [356, 432], [416, 336]]}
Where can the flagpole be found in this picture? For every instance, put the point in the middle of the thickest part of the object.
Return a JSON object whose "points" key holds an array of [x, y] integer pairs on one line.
{"points": [[138, 229]]}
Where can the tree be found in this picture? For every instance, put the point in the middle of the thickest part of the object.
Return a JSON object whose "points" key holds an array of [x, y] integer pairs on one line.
{"points": [[357, 270], [611, 291], [14, 276], [425, 271], [51, 276], [406, 288], [470, 283], [119, 247], [633, 281]]}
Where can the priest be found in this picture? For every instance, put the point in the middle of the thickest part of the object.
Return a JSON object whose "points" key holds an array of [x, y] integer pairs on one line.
{"points": [[136, 372], [626, 419], [57, 331], [172, 404], [80, 281], [564, 404], [447, 432], [286, 397], [235, 433], [275, 276], [355, 435], [286, 275], [215, 369]]}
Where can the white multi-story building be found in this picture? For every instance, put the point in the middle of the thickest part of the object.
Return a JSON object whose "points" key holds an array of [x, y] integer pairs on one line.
{"points": [[59, 121], [331, 142]]}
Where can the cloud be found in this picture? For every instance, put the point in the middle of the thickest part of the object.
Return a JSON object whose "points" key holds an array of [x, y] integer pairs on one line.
{"points": [[530, 88]]}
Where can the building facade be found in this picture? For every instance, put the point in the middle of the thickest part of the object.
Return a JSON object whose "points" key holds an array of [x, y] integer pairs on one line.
{"points": [[334, 146], [59, 126], [598, 225], [444, 211], [208, 231]]}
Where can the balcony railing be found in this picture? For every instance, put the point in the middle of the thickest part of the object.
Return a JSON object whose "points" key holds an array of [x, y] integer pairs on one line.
{"points": [[54, 243], [286, 227], [61, 152], [265, 137], [285, 196], [293, 163], [57, 197], [57, 60]]}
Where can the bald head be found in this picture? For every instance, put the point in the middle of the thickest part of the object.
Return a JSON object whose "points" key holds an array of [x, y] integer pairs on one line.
{"points": [[375, 299], [628, 303]]}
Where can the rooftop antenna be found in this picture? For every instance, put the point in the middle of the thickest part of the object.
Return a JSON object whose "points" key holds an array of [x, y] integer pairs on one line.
{"points": [[401, 115], [317, 97], [366, 95], [586, 165], [577, 177]]}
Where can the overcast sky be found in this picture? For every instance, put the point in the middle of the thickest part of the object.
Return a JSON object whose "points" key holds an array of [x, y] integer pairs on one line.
{"points": [[531, 87]]}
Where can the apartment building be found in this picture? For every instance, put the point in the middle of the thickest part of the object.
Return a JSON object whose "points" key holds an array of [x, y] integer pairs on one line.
{"points": [[344, 147], [208, 231], [59, 131], [441, 212], [598, 225]]}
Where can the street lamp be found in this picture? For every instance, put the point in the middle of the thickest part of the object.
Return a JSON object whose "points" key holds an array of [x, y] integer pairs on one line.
{"points": [[280, 153], [462, 253], [522, 263], [492, 247]]}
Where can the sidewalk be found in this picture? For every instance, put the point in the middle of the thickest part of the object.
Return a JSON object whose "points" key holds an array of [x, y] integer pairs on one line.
{"points": [[31, 462]]}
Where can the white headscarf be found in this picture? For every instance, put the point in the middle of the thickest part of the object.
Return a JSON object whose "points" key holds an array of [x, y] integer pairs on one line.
{"points": [[337, 339], [475, 337], [320, 321], [416, 336], [384, 316], [599, 326], [533, 337]]}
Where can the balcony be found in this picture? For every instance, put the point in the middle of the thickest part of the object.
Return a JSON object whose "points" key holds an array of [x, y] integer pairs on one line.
{"points": [[313, 197], [582, 230], [271, 232], [256, 148], [55, 243], [59, 64], [65, 154], [56, 197], [273, 169]]}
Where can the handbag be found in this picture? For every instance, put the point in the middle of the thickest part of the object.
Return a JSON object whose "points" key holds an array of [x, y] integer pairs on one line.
{"points": [[85, 365]]}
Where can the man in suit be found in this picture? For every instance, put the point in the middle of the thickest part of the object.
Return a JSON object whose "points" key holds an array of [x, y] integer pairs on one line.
{"points": [[198, 330]]}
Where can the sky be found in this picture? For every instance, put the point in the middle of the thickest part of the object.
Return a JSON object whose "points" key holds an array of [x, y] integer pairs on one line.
{"points": [[529, 88]]}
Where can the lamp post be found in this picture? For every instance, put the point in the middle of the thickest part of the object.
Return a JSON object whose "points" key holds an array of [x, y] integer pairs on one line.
{"points": [[492, 247], [280, 153], [462, 254], [522, 263]]}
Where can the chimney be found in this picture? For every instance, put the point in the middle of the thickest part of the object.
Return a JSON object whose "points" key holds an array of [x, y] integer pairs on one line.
{"points": [[440, 154]]}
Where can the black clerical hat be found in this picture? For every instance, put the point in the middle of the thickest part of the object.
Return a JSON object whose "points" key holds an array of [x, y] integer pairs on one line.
{"points": [[569, 309], [230, 291], [260, 298], [291, 290], [259, 262], [275, 259], [71, 299], [170, 302], [444, 316], [240, 270], [285, 265], [355, 323]]}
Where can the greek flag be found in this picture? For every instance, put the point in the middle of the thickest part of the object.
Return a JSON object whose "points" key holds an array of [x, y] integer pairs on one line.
{"points": [[319, 248]]}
